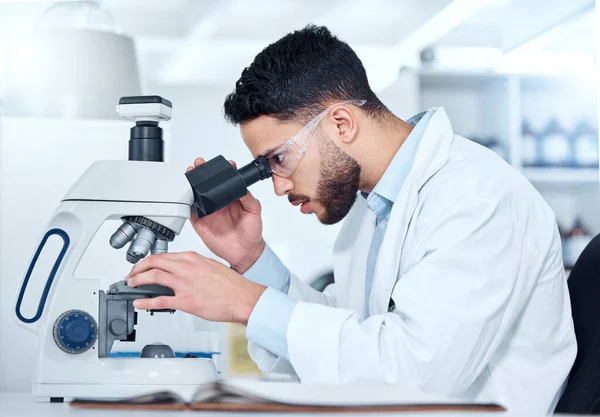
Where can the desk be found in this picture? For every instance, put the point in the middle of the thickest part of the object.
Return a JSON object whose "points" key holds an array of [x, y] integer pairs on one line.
{"points": [[25, 405]]}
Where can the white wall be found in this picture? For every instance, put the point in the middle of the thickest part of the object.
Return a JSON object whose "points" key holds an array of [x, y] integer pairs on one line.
{"points": [[476, 109], [402, 97]]}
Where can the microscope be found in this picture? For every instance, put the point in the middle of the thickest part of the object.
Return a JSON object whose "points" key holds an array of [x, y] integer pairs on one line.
{"points": [[76, 320]]}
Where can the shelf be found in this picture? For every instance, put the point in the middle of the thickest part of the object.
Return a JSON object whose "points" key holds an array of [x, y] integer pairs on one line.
{"points": [[557, 176], [459, 79], [551, 82]]}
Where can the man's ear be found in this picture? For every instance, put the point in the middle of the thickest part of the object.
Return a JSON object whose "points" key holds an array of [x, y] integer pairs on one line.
{"points": [[346, 126]]}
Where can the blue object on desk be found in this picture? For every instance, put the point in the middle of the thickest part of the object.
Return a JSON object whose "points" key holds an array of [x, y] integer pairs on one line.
{"points": [[207, 355]]}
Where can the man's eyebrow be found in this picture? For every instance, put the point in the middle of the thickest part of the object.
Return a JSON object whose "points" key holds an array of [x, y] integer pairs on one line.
{"points": [[268, 151]]}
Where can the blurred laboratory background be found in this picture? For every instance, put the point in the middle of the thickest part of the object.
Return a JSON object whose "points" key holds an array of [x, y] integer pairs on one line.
{"points": [[518, 76]]}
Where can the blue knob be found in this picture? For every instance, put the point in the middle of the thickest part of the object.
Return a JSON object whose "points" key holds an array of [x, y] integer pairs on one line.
{"points": [[75, 331]]}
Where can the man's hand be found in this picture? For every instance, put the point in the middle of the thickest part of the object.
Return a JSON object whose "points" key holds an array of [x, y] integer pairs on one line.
{"points": [[233, 233], [203, 287]]}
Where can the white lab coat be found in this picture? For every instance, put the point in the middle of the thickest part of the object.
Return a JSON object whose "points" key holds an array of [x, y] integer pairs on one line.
{"points": [[472, 261]]}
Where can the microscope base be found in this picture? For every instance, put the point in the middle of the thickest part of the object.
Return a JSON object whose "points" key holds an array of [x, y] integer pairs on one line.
{"points": [[184, 383]]}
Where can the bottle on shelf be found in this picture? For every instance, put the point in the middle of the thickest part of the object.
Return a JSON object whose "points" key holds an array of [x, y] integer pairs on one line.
{"points": [[585, 145], [530, 145], [555, 148], [574, 242]]}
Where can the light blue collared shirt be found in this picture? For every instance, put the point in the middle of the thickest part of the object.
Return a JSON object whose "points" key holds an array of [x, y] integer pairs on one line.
{"points": [[268, 323], [382, 198]]}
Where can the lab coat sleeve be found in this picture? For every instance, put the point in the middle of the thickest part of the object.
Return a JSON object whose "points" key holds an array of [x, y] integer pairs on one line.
{"points": [[268, 270], [268, 322], [453, 307], [268, 361], [271, 272]]}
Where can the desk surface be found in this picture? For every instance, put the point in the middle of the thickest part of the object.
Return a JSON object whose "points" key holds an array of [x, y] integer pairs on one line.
{"points": [[25, 405]]}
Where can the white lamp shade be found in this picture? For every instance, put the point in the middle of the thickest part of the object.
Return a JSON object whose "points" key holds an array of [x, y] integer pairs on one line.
{"points": [[70, 73]]}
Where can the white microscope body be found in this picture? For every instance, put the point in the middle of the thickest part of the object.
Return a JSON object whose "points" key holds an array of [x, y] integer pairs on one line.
{"points": [[75, 330]]}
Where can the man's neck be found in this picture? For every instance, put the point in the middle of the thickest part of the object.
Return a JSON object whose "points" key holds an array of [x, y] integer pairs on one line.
{"points": [[379, 149]]}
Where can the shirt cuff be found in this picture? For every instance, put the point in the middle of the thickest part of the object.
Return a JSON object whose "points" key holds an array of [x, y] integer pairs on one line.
{"points": [[268, 322], [268, 270]]}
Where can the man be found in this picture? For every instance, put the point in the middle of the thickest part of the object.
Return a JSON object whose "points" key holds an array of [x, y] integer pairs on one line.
{"points": [[448, 268]]}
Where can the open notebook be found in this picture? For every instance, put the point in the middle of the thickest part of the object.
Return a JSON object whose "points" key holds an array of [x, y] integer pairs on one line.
{"points": [[254, 395]]}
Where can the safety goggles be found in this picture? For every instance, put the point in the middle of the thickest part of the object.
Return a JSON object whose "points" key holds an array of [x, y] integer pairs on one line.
{"points": [[285, 159]]}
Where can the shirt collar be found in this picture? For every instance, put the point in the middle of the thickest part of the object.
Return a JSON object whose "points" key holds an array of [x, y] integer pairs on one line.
{"points": [[392, 179]]}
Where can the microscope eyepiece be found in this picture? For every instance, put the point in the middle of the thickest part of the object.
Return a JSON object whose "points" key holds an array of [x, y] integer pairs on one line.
{"points": [[216, 183], [255, 171]]}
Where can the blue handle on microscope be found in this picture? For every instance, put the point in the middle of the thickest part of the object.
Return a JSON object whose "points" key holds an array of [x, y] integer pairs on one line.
{"points": [[50, 278]]}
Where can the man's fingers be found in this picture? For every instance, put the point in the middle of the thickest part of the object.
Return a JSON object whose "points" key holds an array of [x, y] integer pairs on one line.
{"points": [[200, 161], [159, 303], [154, 276], [250, 203], [165, 261], [179, 257]]}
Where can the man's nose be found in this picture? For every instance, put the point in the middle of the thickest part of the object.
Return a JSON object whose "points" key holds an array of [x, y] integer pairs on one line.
{"points": [[282, 185]]}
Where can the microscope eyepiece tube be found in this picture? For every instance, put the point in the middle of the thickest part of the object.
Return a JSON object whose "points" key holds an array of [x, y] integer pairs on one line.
{"points": [[255, 171], [141, 245], [146, 142]]}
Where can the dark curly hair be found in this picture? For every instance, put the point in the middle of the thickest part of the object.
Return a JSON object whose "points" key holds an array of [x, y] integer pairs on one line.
{"points": [[296, 77]]}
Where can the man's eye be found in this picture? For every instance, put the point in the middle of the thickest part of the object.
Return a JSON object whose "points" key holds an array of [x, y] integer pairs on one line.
{"points": [[278, 158]]}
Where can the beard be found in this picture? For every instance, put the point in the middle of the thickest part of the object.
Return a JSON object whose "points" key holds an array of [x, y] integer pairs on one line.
{"points": [[338, 182]]}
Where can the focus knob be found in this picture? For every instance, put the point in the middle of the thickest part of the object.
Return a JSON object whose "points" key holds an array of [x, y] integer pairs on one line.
{"points": [[75, 331]]}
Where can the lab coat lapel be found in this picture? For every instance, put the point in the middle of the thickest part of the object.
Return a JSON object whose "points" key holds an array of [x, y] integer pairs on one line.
{"points": [[431, 155], [388, 259], [350, 257]]}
